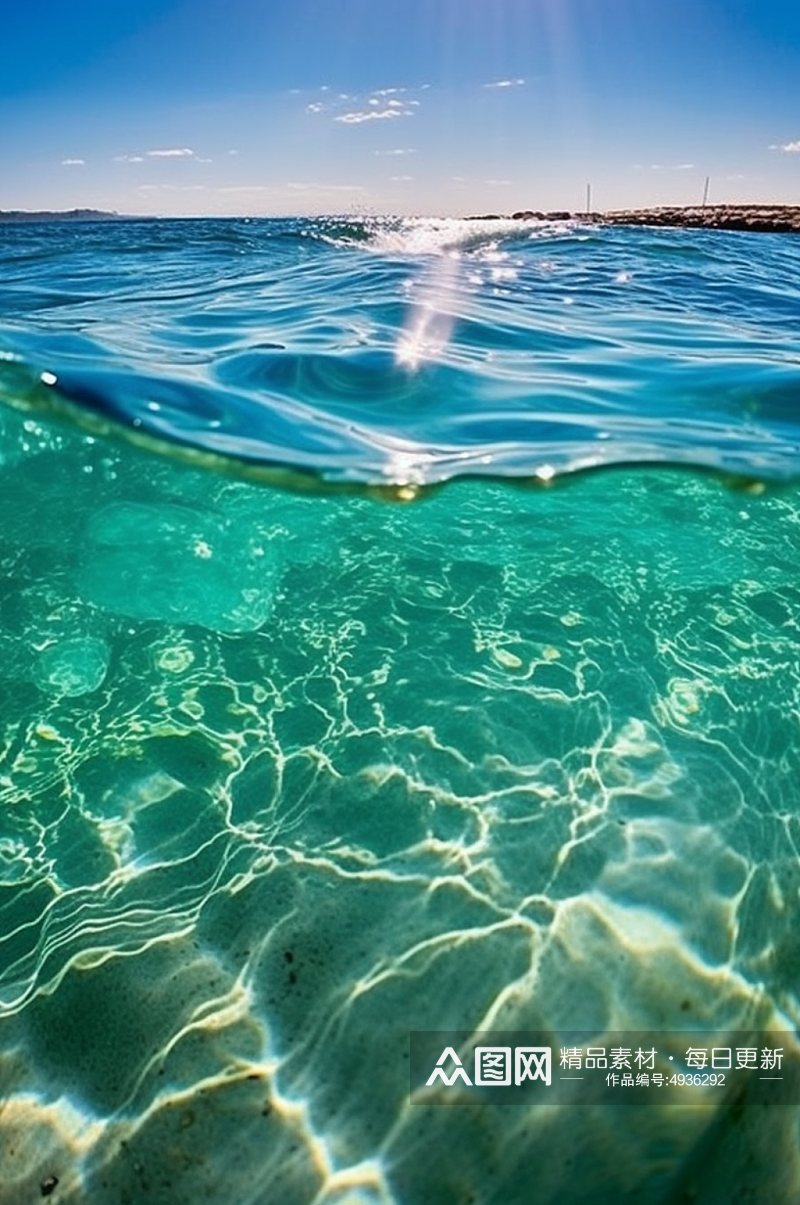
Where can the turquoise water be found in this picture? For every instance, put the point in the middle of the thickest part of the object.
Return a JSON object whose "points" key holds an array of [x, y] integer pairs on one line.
{"points": [[336, 704]]}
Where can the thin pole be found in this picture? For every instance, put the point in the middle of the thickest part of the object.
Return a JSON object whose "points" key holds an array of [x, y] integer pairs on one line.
{"points": [[705, 192], [588, 198]]}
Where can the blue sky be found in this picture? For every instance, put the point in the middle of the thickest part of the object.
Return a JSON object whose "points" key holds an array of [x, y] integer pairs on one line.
{"points": [[403, 106]]}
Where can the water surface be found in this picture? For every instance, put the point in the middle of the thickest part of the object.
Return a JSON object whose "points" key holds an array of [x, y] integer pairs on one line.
{"points": [[300, 753]]}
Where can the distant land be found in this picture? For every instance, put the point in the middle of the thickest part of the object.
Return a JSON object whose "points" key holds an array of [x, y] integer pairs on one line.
{"points": [[769, 218], [773, 219], [58, 215]]}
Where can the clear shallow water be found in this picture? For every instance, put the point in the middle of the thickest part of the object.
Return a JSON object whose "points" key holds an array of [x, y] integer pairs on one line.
{"points": [[286, 775]]}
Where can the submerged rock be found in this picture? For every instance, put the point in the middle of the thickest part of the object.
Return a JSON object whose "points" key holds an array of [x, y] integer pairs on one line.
{"points": [[72, 667], [179, 565], [57, 642]]}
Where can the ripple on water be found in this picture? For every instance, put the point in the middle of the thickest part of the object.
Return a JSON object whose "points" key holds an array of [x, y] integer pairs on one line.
{"points": [[284, 776]]}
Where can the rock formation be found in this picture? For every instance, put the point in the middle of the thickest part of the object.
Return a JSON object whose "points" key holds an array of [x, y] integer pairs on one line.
{"points": [[772, 218]]}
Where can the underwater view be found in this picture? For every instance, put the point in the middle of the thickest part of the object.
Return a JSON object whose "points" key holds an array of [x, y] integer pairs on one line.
{"points": [[399, 633]]}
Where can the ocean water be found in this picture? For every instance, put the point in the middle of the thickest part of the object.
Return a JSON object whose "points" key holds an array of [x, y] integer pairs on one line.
{"points": [[399, 631]]}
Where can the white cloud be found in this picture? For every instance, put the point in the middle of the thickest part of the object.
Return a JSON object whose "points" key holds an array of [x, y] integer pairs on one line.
{"points": [[73, 162], [171, 188], [401, 179], [379, 104], [792, 147], [503, 183], [506, 83], [400, 150], [309, 186], [182, 152], [683, 167], [354, 119], [129, 158], [246, 188]]}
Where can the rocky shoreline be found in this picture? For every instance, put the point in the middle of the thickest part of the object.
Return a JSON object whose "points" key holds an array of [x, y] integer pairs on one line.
{"points": [[770, 218]]}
